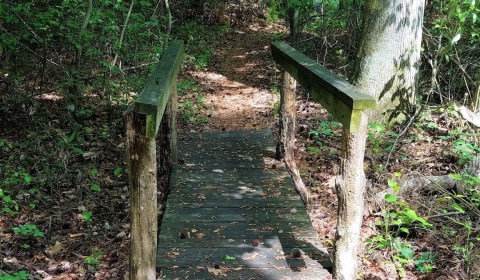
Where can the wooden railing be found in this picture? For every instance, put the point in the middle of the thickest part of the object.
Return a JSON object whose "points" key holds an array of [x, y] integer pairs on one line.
{"points": [[348, 105], [154, 113]]}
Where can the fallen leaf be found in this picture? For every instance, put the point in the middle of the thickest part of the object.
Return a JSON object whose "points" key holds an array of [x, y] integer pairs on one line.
{"points": [[218, 170], [216, 271], [200, 235], [75, 235], [55, 248]]}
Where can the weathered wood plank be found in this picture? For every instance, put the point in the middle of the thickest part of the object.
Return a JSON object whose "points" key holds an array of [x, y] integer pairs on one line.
{"points": [[308, 244], [341, 99], [221, 202], [253, 257], [233, 214], [227, 230], [242, 273], [155, 95]]}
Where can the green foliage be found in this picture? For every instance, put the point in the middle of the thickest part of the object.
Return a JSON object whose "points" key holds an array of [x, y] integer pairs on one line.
{"points": [[464, 150], [87, 216], [95, 187], [187, 86], [380, 140], [326, 128], [17, 275], [191, 108], [118, 171], [454, 25], [28, 230], [37, 32], [398, 220], [93, 259], [11, 184]]}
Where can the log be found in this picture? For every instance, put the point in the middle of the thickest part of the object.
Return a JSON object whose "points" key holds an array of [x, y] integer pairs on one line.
{"points": [[286, 143], [142, 175], [350, 193]]}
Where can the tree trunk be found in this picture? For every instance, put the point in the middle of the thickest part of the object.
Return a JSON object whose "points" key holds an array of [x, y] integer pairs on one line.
{"points": [[293, 17], [350, 193], [388, 57], [122, 34], [286, 143], [142, 168]]}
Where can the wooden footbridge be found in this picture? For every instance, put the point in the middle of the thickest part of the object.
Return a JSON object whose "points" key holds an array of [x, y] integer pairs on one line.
{"points": [[231, 211]]}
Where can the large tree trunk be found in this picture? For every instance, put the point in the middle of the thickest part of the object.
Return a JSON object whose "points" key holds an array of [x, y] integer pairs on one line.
{"points": [[389, 55]]}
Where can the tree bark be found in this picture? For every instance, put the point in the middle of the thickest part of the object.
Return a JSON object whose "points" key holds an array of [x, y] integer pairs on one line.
{"points": [[388, 57], [142, 167], [286, 143], [350, 193], [76, 89]]}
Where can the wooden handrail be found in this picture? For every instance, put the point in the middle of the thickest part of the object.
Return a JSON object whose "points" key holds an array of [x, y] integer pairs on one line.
{"points": [[337, 96], [154, 97], [154, 110], [348, 105]]}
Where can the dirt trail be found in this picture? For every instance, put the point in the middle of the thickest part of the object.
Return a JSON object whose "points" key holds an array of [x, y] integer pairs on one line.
{"points": [[238, 82]]}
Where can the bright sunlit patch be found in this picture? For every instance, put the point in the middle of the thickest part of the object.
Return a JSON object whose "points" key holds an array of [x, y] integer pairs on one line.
{"points": [[49, 96]]}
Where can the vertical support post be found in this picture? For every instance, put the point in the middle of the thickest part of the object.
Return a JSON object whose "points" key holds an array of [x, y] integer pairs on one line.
{"points": [[286, 143], [168, 146], [350, 192], [142, 167]]}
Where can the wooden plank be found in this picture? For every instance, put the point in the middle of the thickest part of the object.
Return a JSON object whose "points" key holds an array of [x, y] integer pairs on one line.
{"points": [[242, 273], [155, 95], [341, 99], [253, 257], [233, 214], [227, 230], [230, 201], [307, 244]]}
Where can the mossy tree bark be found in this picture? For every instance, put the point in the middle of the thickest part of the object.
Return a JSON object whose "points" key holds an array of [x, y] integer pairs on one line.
{"points": [[388, 57]]}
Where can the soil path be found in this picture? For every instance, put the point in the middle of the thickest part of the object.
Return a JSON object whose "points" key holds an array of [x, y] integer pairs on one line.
{"points": [[237, 84]]}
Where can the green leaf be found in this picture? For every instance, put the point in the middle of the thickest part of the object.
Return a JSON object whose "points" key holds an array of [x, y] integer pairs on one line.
{"points": [[411, 214], [458, 208], [456, 177], [229, 258], [394, 185], [407, 253], [78, 151], [87, 216], [27, 178], [390, 198], [118, 171], [95, 187]]}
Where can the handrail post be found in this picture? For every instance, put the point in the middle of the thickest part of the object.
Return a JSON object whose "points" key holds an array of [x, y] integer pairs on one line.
{"points": [[347, 104], [154, 111], [350, 193], [286, 143], [142, 174]]}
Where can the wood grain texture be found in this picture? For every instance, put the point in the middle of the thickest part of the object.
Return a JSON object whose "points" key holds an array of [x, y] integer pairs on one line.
{"points": [[228, 222], [154, 97]]}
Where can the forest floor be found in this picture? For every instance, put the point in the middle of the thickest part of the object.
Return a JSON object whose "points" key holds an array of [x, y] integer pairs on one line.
{"points": [[68, 185]]}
